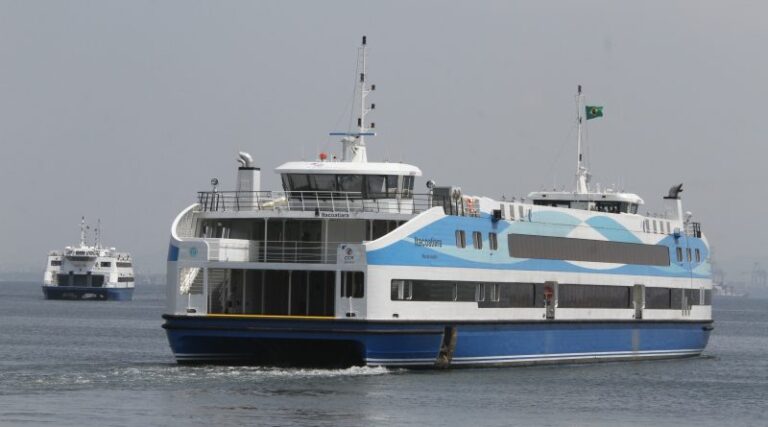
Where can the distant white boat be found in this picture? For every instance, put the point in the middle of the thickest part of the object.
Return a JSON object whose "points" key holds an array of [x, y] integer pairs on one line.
{"points": [[89, 272]]}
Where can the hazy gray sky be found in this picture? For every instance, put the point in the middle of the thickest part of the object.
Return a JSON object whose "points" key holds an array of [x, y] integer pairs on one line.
{"points": [[124, 109]]}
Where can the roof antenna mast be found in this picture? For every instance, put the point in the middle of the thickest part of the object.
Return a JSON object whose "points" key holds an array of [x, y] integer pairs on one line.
{"points": [[354, 142], [582, 175]]}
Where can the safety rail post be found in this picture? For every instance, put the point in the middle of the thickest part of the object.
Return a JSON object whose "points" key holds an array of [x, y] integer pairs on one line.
{"points": [[333, 203]]}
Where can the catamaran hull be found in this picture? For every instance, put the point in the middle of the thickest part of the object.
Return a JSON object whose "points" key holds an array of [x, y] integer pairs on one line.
{"points": [[81, 292], [333, 343]]}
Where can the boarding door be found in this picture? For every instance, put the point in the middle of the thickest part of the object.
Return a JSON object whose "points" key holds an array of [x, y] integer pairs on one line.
{"points": [[550, 299], [638, 300]]}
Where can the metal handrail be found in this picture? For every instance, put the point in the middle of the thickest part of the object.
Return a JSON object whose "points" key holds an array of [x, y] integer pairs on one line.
{"points": [[314, 201]]}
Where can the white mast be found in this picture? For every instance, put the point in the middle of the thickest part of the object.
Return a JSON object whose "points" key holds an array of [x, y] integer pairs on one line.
{"points": [[98, 233], [354, 142], [82, 231], [582, 175]]}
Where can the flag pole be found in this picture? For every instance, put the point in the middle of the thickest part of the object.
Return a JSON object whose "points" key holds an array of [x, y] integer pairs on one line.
{"points": [[581, 181]]}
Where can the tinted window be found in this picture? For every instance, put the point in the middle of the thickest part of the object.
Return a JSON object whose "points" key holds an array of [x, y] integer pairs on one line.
{"points": [[461, 240], [561, 248], [492, 241], [375, 186], [352, 284], [593, 296], [322, 182], [658, 298], [351, 183], [299, 182], [477, 240]]}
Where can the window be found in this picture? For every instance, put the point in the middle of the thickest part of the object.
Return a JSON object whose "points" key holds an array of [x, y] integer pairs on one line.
{"points": [[125, 279], [392, 185], [123, 264], [493, 241], [679, 254], [658, 298], [408, 186], [55, 262], [688, 253], [352, 284], [350, 183], [480, 292], [698, 256], [105, 264], [669, 230], [654, 226], [401, 290], [461, 239], [494, 291], [511, 212], [477, 239], [593, 296], [322, 182], [562, 248], [299, 182], [375, 186], [647, 225], [522, 212]]}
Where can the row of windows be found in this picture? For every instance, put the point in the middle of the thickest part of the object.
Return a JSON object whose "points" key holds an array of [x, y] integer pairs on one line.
{"points": [[371, 186], [650, 226], [477, 240], [522, 295], [125, 279], [688, 254], [101, 264], [561, 248]]}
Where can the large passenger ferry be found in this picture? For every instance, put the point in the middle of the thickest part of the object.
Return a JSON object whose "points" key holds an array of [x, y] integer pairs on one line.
{"points": [[89, 271], [348, 265]]}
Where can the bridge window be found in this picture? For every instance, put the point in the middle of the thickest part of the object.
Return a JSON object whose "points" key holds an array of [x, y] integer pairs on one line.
{"points": [[512, 212], [679, 254], [350, 183], [55, 262], [688, 253], [698, 256]]}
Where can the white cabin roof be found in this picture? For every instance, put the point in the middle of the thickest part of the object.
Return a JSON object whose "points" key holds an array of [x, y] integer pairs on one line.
{"points": [[351, 168], [584, 197]]}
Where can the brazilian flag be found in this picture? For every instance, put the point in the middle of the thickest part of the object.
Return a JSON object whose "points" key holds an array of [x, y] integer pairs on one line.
{"points": [[594, 112]]}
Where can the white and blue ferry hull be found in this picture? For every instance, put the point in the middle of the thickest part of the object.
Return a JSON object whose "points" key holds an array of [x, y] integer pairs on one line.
{"points": [[428, 344], [87, 292]]}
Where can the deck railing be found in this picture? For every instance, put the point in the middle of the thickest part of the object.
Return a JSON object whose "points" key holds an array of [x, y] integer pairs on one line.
{"points": [[287, 251], [313, 201]]}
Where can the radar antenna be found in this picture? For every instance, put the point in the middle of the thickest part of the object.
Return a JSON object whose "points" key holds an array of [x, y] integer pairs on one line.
{"points": [[354, 142]]}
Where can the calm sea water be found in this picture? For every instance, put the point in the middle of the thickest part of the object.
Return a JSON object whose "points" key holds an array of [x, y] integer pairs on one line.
{"points": [[108, 363]]}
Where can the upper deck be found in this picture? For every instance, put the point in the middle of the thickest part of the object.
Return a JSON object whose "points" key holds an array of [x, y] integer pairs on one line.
{"points": [[324, 204]]}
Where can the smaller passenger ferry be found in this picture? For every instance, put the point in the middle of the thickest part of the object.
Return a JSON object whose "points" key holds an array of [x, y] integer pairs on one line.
{"points": [[89, 272]]}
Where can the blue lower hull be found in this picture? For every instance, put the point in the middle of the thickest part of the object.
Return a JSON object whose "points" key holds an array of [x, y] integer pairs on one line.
{"points": [[353, 342], [81, 292]]}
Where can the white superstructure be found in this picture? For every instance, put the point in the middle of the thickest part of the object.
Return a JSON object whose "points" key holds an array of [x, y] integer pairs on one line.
{"points": [[84, 271]]}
